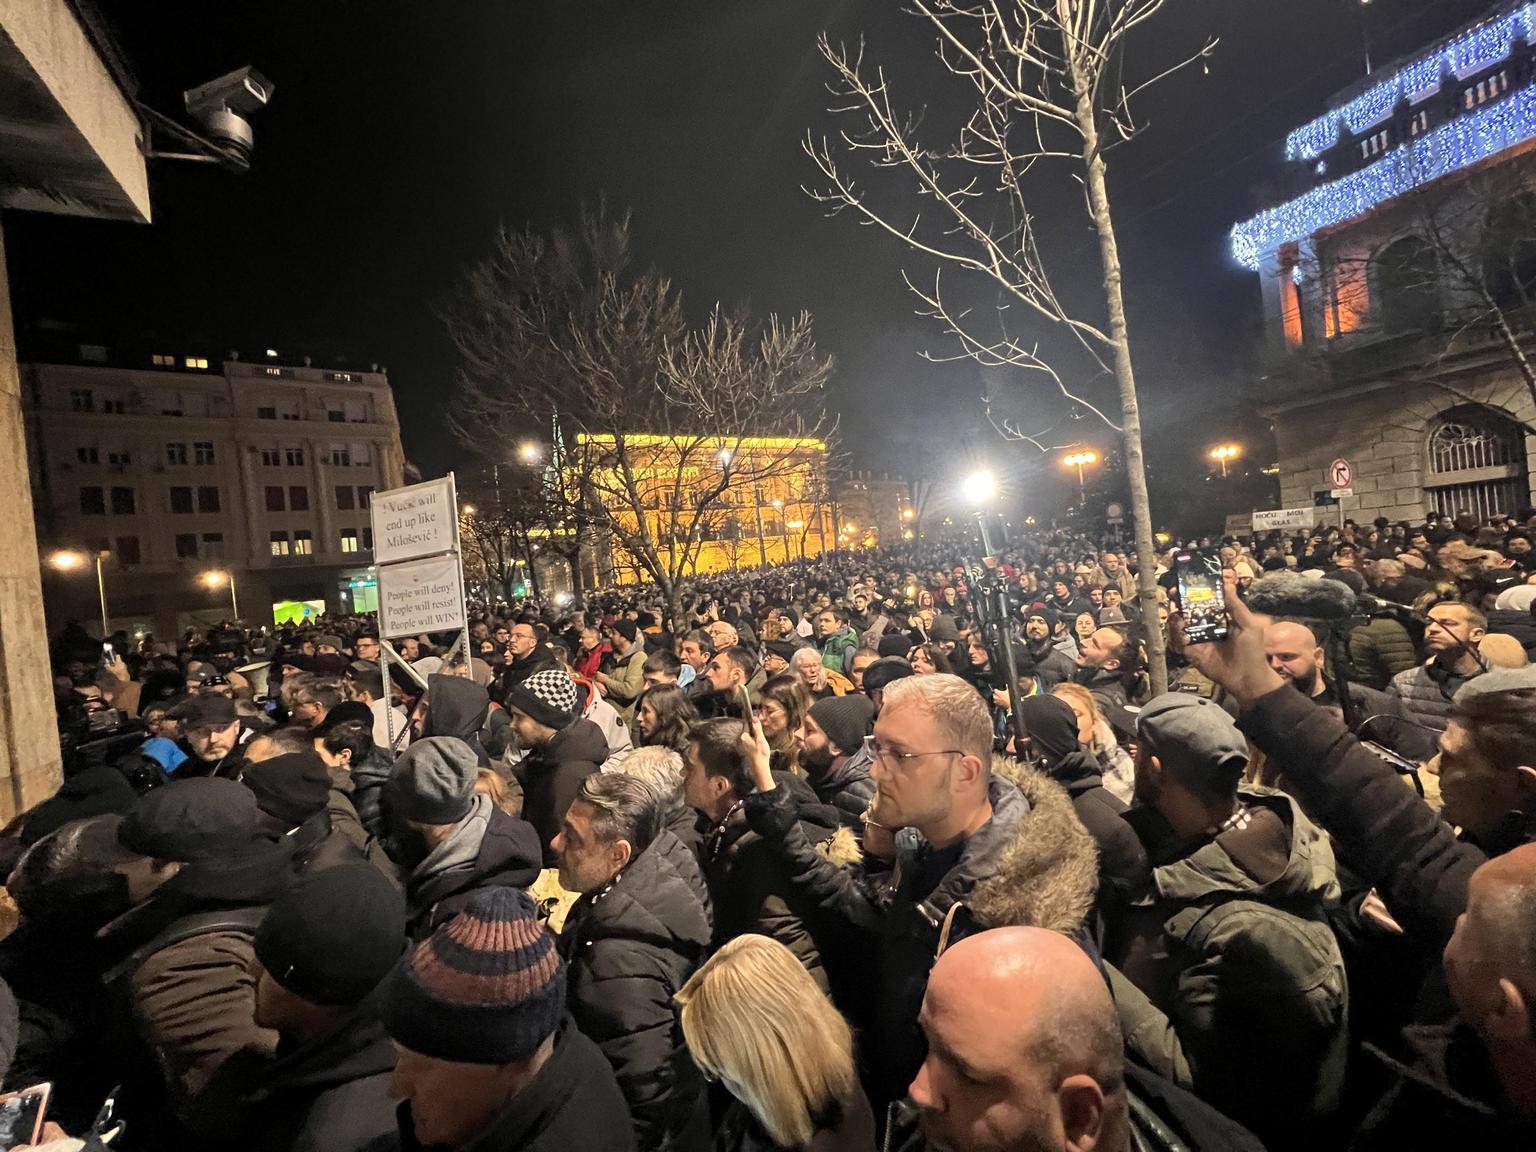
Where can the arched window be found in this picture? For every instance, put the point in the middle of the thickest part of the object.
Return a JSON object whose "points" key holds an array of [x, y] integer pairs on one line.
{"points": [[1407, 286], [1509, 251], [1477, 463]]}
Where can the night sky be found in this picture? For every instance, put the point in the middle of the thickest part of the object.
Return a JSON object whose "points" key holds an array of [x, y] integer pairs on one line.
{"points": [[401, 134]]}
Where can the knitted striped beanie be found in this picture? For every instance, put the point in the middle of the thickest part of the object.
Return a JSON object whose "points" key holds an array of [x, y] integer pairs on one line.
{"points": [[487, 987]]}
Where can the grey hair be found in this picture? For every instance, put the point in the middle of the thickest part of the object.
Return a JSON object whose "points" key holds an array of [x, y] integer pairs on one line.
{"points": [[625, 808], [957, 710], [660, 768]]}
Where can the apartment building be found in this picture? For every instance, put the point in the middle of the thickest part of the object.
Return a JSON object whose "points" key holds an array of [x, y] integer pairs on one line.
{"points": [[205, 483]]}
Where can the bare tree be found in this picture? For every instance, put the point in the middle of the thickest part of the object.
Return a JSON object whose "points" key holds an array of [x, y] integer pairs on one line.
{"points": [[662, 429], [1048, 81]]}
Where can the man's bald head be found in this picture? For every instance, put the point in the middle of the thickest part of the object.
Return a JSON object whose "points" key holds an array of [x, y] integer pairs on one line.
{"points": [[1024, 1044], [1293, 651]]}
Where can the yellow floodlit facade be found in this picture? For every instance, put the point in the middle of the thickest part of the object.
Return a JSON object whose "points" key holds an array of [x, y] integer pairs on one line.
{"points": [[775, 505]]}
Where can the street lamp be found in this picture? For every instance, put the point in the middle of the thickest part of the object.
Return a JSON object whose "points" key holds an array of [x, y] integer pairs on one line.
{"points": [[66, 561], [466, 509], [1080, 460], [1223, 453], [529, 453], [215, 578], [979, 488]]}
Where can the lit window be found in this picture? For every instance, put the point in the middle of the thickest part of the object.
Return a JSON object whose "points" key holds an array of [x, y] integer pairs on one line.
{"points": [[196, 362], [275, 372], [160, 361], [349, 539], [303, 542], [279, 543]]}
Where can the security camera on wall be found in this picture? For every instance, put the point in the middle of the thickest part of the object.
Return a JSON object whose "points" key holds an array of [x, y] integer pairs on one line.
{"points": [[220, 107]]}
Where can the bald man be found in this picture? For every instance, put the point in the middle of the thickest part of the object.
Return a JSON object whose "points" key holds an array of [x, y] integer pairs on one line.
{"points": [[1025, 1055]]}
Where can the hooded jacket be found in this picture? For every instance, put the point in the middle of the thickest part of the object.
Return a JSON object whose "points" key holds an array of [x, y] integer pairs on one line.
{"points": [[186, 964], [457, 707], [1032, 863], [551, 775], [1124, 872], [627, 680], [629, 948], [1230, 966], [489, 849]]}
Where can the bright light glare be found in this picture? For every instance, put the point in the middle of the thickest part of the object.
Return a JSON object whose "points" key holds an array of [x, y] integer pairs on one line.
{"points": [[66, 561], [528, 452], [979, 487], [562, 598], [215, 579], [467, 509]]}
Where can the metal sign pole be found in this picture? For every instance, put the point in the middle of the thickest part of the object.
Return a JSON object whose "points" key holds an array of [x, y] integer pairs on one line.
{"points": [[458, 555]]}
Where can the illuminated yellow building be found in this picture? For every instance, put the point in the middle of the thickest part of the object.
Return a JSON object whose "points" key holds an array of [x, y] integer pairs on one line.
{"points": [[766, 498]]}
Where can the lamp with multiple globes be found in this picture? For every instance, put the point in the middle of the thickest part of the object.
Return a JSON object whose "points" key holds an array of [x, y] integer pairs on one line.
{"points": [[1223, 454], [1080, 460]]}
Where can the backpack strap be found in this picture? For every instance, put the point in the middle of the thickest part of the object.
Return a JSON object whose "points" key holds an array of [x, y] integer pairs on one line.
{"points": [[243, 921]]}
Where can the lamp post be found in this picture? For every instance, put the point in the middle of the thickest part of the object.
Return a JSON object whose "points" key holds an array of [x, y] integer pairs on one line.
{"points": [[1081, 460], [980, 490], [215, 577], [65, 560], [1223, 453]]}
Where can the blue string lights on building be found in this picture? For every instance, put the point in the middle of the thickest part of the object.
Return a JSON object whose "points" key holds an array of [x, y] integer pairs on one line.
{"points": [[1460, 143], [1473, 51]]}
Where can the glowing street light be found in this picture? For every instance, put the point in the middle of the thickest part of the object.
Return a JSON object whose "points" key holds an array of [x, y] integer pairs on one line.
{"points": [[466, 509], [1080, 460], [216, 578], [529, 452], [979, 488], [65, 560], [1223, 453]]}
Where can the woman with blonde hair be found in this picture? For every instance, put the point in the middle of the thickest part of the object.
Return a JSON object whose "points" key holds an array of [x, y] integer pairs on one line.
{"points": [[754, 1020], [1095, 734]]}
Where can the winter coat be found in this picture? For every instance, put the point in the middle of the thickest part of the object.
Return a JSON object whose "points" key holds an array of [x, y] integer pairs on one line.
{"points": [[1426, 693], [514, 672], [845, 1127], [186, 960], [1107, 686], [626, 682], [94, 791], [1389, 836], [629, 947], [488, 849], [847, 787], [1230, 966], [1443, 1095], [572, 1104], [327, 1095], [749, 888], [687, 825], [551, 775], [1380, 649], [1124, 873], [837, 651], [1032, 863], [1052, 666], [368, 780], [588, 664]]}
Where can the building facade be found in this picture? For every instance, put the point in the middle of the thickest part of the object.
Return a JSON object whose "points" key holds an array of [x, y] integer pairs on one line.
{"points": [[205, 485], [773, 502], [874, 510], [1398, 275]]}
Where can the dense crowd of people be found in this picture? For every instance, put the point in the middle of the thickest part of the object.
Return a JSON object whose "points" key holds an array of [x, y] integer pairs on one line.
{"points": [[803, 869]]}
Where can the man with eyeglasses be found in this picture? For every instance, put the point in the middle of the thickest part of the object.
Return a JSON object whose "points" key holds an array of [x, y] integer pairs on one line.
{"points": [[931, 757], [525, 656]]}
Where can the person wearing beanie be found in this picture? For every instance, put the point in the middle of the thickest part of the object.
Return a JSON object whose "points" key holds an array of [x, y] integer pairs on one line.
{"points": [[622, 684], [200, 877], [299, 800], [561, 747], [488, 1059], [635, 935], [323, 951], [835, 757], [1051, 740], [448, 839], [1052, 666]]}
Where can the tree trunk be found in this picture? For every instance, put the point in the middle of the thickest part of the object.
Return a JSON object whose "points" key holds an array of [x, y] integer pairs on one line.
{"points": [[1125, 378]]}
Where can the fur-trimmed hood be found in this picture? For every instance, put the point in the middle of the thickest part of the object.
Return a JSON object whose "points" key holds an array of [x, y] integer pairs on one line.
{"points": [[1048, 874]]}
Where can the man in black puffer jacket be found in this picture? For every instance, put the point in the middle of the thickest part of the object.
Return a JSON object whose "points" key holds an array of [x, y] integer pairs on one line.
{"points": [[630, 942], [563, 750], [836, 761], [1050, 727]]}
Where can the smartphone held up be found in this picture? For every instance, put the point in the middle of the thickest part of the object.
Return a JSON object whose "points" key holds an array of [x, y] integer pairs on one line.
{"points": [[1202, 597]]}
